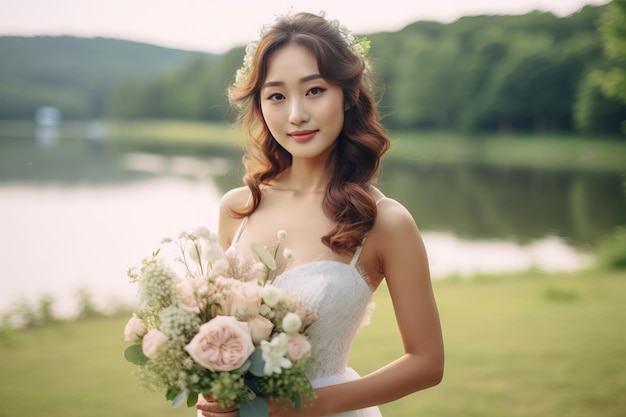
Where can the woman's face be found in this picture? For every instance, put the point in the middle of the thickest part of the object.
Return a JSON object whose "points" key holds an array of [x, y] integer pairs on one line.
{"points": [[303, 112]]}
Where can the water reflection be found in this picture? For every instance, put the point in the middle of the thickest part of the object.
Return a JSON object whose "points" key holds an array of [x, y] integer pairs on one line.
{"points": [[505, 203], [77, 214], [59, 239]]}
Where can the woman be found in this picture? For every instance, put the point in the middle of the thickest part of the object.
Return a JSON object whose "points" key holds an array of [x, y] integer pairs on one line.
{"points": [[315, 146]]}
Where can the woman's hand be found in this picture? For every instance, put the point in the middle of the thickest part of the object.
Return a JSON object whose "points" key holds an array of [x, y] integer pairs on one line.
{"points": [[211, 408]]}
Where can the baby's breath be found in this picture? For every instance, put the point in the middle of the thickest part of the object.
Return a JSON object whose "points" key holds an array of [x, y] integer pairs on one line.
{"points": [[359, 46], [177, 323], [177, 301]]}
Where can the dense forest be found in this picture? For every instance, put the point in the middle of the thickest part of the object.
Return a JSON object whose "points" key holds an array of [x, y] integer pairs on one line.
{"points": [[529, 73], [75, 74]]}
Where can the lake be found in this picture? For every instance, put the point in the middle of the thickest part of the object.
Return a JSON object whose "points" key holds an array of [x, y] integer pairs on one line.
{"points": [[75, 214]]}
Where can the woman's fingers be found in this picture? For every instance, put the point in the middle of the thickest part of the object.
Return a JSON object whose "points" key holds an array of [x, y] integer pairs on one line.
{"points": [[210, 407]]}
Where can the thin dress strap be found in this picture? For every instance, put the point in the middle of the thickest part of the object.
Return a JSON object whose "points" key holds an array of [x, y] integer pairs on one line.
{"points": [[357, 253], [242, 225], [239, 231]]}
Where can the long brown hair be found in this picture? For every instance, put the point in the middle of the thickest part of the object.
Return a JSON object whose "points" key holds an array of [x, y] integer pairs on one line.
{"points": [[355, 158]]}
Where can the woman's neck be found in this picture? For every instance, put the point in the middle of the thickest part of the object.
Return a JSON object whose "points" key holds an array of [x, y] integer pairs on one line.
{"points": [[304, 177]]}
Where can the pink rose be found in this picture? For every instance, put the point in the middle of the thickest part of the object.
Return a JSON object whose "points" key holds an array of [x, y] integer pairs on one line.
{"points": [[134, 330], [297, 347], [152, 342], [187, 293], [260, 328], [243, 299], [222, 344]]}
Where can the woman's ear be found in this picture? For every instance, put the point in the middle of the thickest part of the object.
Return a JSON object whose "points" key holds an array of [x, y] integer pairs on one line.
{"points": [[348, 102]]}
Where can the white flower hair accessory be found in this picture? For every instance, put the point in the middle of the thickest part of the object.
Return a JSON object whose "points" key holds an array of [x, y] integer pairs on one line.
{"points": [[359, 46]]}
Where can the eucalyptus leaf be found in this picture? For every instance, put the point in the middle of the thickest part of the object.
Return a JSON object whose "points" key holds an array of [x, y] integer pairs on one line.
{"points": [[264, 256], [171, 393], [181, 398], [297, 399], [257, 364], [192, 399], [244, 368], [135, 355], [254, 408]]}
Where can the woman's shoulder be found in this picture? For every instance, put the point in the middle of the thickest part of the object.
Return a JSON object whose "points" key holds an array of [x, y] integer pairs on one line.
{"points": [[389, 211], [392, 216], [393, 219], [235, 199]]}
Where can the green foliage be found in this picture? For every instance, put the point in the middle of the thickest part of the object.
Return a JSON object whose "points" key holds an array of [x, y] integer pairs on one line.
{"points": [[613, 29], [86, 305], [612, 80], [72, 73], [594, 111], [24, 314], [611, 250], [526, 73], [134, 354]]}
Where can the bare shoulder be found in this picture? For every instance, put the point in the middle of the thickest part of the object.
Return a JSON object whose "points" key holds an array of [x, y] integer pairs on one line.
{"points": [[393, 218], [235, 198], [398, 242], [228, 222]]}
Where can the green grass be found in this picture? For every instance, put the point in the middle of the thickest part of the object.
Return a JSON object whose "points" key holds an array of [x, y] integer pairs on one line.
{"points": [[526, 345], [533, 151], [169, 131], [568, 152]]}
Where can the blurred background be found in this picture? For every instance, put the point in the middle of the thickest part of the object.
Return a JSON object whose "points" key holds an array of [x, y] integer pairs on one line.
{"points": [[508, 123]]}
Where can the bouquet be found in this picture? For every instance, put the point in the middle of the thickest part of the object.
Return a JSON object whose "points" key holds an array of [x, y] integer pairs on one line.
{"points": [[211, 322]]}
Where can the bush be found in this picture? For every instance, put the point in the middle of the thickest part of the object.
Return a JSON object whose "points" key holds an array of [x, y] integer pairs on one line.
{"points": [[611, 250]]}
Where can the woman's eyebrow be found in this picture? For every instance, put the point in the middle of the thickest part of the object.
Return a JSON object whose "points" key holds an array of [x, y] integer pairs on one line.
{"points": [[301, 80]]}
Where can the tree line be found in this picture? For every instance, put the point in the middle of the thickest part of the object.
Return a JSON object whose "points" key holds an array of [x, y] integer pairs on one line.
{"points": [[529, 73]]}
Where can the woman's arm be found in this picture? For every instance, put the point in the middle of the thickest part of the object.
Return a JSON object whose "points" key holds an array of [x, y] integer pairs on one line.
{"points": [[403, 261]]}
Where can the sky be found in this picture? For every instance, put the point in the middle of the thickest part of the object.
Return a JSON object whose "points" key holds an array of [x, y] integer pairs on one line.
{"points": [[218, 25]]}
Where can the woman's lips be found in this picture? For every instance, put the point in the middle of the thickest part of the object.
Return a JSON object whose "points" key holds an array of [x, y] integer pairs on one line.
{"points": [[303, 135]]}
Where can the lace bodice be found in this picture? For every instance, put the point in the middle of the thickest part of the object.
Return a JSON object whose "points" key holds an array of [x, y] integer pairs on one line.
{"points": [[340, 295]]}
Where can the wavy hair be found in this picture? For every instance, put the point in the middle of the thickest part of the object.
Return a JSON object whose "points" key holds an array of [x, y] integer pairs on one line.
{"points": [[355, 158]]}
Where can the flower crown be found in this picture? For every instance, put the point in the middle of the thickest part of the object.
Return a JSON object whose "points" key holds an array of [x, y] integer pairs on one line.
{"points": [[359, 46]]}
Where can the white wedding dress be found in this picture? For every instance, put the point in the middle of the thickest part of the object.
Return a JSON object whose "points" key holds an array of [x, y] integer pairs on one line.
{"points": [[341, 295]]}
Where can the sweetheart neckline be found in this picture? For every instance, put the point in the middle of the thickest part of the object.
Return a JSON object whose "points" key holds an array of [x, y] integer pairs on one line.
{"points": [[363, 278]]}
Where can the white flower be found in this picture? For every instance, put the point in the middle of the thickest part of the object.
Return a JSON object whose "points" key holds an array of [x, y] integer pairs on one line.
{"points": [[193, 253], [202, 232], [212, 252], [271, 295], [259, 267], [219, 266], [288, 254], [265, 310], [282, 234], [273, 354], [291, 323], [358, 46]]}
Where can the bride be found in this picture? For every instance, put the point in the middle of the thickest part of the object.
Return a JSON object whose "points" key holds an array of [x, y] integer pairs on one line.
{"points": [[315, 144]]}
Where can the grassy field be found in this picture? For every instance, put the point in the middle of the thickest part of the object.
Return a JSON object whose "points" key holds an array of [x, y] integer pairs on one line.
{"points": [[527, 345]]}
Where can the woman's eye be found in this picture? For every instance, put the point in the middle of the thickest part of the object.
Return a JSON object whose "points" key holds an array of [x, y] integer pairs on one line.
{"points": [[316, 90], [275, 97]]}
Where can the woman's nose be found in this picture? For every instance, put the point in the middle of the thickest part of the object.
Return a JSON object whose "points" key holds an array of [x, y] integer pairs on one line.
{"points": [[298, 113]]}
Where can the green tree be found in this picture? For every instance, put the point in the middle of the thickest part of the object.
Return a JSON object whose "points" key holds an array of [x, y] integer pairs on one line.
{"points": [[613, 29]]}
